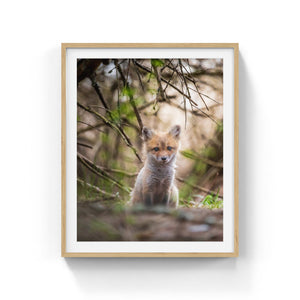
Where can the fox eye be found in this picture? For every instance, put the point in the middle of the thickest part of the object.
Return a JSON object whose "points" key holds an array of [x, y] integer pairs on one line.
{"points": [[155, 149], [169, 148]]}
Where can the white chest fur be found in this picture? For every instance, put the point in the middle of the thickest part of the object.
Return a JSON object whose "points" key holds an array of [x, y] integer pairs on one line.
{"points": [[161, 177]]}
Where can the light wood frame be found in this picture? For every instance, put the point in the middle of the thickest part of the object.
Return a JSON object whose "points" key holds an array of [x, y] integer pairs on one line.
{"points": [[64, 47]]}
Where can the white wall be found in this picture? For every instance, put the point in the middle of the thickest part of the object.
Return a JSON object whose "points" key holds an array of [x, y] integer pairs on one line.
{"points": [[31, 33]]}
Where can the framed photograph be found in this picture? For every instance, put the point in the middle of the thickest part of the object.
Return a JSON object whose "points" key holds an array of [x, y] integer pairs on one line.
{"points": [[149, 150]]}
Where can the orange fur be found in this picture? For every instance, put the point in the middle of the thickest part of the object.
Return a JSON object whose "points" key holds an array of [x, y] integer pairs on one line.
{"points": [[155, 182]]}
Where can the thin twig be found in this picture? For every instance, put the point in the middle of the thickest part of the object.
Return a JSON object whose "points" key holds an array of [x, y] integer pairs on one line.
{"points": [[100, 172], [118, 102], [185, 109], [190, 79], [204, 159], [126, 122], [201, 96], [210, 98], [116, 62], [200, 188], [196, 113], [84, 145], [115, 67], [111, 123], [161, 91], [178, 90], [99, 106], [139, 77], [169, 80], [146, 105], [194, 82], [188, 72], [173, 86], [98, 91], [184, 80], [214, 100], [114, 126], [131, 100], [95, 188], [170, 62], [128, 68], [209, 72], [91, 127], [121, 172]]}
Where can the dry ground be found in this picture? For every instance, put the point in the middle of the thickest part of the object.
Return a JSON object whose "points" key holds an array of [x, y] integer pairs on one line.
{"points": [[96, 222]]}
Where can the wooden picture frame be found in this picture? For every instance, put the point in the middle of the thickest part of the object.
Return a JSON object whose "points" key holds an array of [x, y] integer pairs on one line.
{"points": [[233, 48]]}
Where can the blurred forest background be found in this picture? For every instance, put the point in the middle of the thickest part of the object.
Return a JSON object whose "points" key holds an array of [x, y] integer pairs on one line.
{"points": [[117, 97]]}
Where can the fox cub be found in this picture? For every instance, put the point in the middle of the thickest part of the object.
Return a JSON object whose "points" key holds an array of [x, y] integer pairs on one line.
{"points": [[155, 182]]}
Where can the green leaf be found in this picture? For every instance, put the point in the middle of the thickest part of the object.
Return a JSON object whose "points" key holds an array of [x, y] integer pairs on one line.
{"points": [[157, 63], [209, 152], [188, 153], [217, 196], [150, 76], [208, 200], [127, 91], [152, 91], [212, 201], [220, 128]]}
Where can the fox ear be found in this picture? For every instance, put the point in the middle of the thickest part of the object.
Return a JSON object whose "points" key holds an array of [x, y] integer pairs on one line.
{"points": [[175, 131], [146, 133]]}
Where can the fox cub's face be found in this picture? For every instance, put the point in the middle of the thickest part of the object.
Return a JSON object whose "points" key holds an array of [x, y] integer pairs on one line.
{"points": [[162, 146]]}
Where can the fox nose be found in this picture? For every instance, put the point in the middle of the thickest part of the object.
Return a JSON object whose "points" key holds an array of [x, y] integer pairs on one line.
{"points": [[163, 158]]}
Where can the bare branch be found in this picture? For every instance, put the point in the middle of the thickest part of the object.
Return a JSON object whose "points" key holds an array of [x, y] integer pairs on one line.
{"points": [[115, 66], [182, 93], [122, 172], [139, 77], [114, 126], [196, 113], [200, 188], [205, 95], [207, 161], [165, 66], [99, 106], [210, 72], [190, 79], [100, 172], [98, 91], [127, 123], [179, 91], [96, 189], [169, 80], [161, 91], [184, 80], [91, 127], [131, 100], [84, 145], [146, 105]]}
